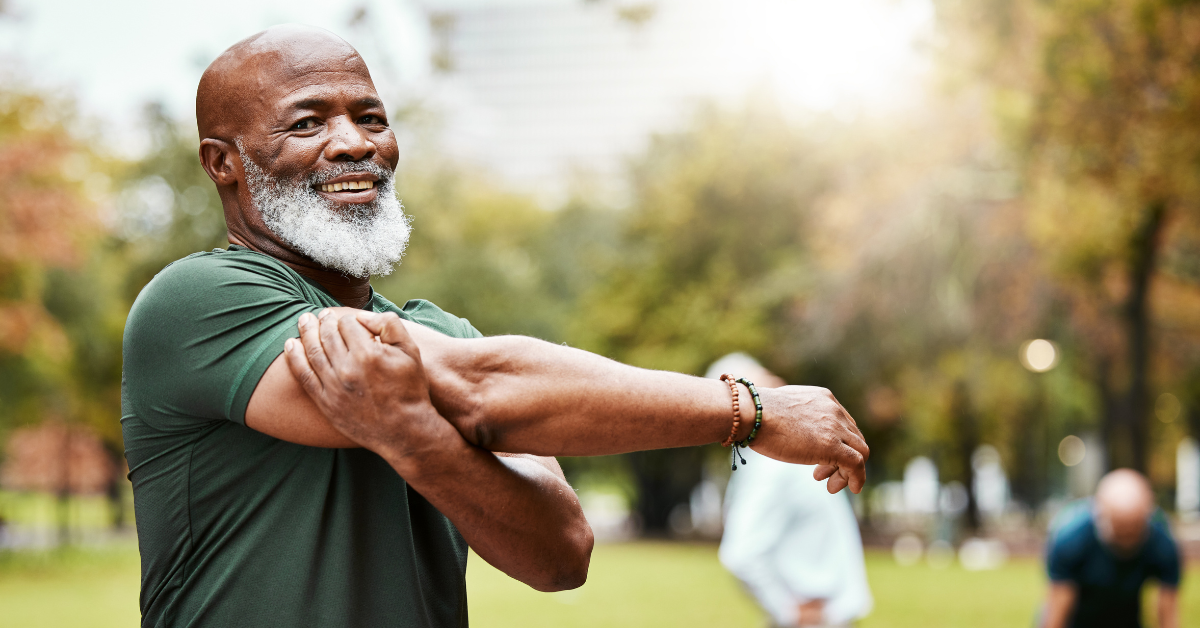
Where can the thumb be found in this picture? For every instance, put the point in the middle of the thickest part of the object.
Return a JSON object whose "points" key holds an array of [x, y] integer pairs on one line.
{"points": [[390, 329]]}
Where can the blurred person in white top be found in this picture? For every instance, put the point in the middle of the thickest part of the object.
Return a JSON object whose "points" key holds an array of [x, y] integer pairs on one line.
{"points": [[792, 544]]}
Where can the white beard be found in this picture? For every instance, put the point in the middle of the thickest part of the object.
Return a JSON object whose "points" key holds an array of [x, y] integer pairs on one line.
{"points": [[362, 240]]}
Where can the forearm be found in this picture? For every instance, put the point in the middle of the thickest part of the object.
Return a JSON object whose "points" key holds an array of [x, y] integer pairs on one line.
{"points": [[1059, 604], [512, 393], [514, 512], [1168, 607]]}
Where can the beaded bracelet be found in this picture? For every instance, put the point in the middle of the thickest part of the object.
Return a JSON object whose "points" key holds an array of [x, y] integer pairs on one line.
{"points": [[757, 410], [737, 410], [737, 416]]}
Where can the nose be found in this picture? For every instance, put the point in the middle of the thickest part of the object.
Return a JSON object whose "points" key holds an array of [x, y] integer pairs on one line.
{"points": [[347, 141]]}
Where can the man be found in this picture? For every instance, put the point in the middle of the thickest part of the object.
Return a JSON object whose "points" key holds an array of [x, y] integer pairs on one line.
{"points": [[1099, 558], [794, 546], [338, 481]]}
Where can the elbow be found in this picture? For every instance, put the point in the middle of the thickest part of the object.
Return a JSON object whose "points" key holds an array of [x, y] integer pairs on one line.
{"points": [[568, 569]]}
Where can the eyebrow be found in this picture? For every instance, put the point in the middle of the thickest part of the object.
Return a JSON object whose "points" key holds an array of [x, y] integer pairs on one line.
{"points": [[320, 103]]}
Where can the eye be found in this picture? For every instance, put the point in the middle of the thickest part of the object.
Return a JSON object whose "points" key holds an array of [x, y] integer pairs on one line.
{"points": [[305, 124], [372, 119]]}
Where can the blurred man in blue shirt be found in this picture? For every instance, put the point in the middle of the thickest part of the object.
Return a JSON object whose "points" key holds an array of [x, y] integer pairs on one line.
{"points": [[1099, 557]]}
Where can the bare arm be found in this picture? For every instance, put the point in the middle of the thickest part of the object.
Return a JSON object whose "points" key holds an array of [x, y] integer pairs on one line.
{"points": [[1168, 607], [518, 394], [515, 510], [1059, 604], [513, 393]]}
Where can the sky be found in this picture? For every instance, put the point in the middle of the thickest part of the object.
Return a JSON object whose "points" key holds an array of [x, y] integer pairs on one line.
{"points": [[817, 55], [115, 56]]}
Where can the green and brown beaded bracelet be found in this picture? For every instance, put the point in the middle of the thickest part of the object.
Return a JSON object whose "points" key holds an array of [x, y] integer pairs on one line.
{"points": [[757, 410], [737, 415]]}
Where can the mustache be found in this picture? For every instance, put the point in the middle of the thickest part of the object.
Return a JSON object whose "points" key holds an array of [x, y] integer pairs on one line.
{"points": [[324, 176]]}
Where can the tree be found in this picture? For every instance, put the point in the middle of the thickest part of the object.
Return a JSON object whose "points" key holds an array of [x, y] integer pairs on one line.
{"points": [[712, 258], [51, 224], [1102, 99]]}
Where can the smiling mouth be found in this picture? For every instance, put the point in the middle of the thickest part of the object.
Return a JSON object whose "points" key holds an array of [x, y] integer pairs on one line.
{"points": [[349, 186]]}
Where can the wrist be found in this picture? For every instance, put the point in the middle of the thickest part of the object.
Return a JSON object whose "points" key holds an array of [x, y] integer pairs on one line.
{"points": [[744, 408]]}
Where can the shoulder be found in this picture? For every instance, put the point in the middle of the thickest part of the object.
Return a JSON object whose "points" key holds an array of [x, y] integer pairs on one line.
{"points": [[213, 269], [1073, 521], [1072, 536], [203, 291], [1160, 545], [202, 277], [426, 313]]}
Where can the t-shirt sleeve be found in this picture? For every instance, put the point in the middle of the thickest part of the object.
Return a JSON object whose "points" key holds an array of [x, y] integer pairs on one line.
{"points": [[434, 317], [1064, 554], [1164, 554], [202, 333]]}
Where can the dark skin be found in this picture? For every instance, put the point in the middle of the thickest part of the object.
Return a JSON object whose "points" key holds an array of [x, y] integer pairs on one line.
{"points": [[304, 113], [434, 406], [299, 111]]}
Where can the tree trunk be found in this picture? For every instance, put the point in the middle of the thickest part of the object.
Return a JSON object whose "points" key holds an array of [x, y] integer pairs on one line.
{"points": [[1143, 259], [1028, 481], [665, 479], [968, 442], [63, 505], [116, 486]]}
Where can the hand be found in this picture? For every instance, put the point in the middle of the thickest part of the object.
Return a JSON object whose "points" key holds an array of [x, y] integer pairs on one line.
{"points": [[807, 425], [811, 613], [372, 390]]}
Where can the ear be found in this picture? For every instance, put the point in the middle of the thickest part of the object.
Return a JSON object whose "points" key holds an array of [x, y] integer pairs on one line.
{"points": [[217, 157]]}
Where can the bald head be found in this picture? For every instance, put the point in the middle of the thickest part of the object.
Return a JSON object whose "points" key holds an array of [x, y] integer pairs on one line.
{"points": [[1124, 503], [297, 141], [245, 77]]}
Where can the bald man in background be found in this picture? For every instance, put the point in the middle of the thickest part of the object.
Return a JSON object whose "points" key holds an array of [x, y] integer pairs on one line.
{"points": [[305, 452], [1099, 557]]}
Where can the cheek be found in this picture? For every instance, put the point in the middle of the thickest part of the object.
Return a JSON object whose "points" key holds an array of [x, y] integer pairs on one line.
{"points": [[294, 157], [385, 144]]}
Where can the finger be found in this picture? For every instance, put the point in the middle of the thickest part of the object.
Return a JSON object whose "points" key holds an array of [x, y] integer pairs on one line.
{"points": [[852, 423], [823, 471], [358, 340], [310, 339], [836, 483], [392, 330], [855, 439], [331, 340], [852, 466], [293, 351], [376, 322]]}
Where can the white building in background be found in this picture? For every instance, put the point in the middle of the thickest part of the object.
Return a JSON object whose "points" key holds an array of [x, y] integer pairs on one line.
{"points": [[922, 491], [990, 483], [1187, 478], [546, 92], [1084, 475]]}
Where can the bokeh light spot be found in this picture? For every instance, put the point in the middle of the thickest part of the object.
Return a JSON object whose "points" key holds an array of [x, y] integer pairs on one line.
{"points": [[1039, 355], [1167, 407], [1072, 450]]}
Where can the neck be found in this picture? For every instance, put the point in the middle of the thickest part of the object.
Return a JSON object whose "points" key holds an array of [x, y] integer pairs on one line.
{"points": [[352, 292]]}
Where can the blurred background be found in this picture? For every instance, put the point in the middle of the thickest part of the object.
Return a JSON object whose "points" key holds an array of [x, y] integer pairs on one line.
{"points": [[976, 221]]}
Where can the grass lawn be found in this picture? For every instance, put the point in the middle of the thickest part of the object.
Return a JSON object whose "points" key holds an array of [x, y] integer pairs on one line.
{"points": [[630, 586], [70, 588]]}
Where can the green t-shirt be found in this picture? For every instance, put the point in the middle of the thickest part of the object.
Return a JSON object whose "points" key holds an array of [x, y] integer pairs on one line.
{"points": [[240, 529]]}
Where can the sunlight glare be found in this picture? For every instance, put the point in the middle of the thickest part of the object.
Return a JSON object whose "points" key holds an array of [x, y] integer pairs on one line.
{"points": [[1039, 355]]}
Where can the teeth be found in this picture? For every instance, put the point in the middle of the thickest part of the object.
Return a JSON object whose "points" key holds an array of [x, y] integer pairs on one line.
{"points": [[349, 185]]}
